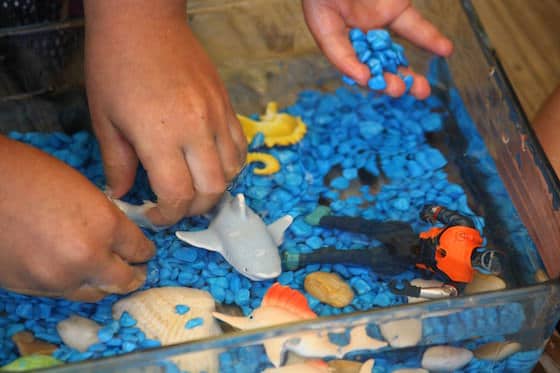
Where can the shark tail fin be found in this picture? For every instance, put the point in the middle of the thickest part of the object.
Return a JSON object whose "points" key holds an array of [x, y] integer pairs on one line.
{"points": [[360, 340]]}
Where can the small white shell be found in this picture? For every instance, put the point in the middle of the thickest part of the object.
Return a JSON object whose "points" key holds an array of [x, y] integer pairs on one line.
{"points": [[78, 332], [155, 314], [446, 358]]}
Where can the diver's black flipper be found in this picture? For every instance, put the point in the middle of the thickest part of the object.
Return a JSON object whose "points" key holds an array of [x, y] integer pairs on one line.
{"points": [[397, 234]]}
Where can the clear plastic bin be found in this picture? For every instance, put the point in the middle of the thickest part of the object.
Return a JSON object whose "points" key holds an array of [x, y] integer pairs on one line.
{"points": [[265, 52]]}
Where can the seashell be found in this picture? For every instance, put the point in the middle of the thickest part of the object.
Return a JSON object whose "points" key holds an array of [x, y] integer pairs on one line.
{"points": [[445, 358], [345, 366], [28, 345], [402, 333], [423, 284], [496, 351], [329, 288], [482, 283], [155, 314], [411, 370], [78, 332]]}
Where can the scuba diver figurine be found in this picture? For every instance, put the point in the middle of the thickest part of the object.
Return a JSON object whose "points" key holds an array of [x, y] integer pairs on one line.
{"points": [[452, 252]]}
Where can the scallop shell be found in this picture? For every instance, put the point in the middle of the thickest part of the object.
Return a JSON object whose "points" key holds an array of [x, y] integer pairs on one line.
{"points": [[155, 314]]}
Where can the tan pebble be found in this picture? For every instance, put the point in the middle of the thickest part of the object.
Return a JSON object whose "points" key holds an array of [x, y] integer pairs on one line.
{"points": [[402, 333], [28, 345], [496, 351], [482, 283], [329, 288], [345, 366], [541, 276]]}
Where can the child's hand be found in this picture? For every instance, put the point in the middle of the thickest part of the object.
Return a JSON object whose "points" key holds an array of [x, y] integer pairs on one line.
{"points": [[59, 235], [330, 21], [155, 96]]}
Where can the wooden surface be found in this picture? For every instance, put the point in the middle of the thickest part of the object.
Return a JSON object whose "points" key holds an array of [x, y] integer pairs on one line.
{"points": [[526, 37]]}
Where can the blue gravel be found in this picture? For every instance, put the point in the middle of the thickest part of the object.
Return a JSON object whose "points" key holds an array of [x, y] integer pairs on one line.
{"points": [[348, 130], [377, 50]]}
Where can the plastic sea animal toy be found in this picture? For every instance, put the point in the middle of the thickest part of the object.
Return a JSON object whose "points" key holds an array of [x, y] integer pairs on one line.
{"points": [[277, 128], [282, 304], [31, 362], [155, 312], [453, 252], [271, 164], [242, 238]]}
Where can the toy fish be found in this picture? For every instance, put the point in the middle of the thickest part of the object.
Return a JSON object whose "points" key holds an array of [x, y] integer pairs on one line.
{"points": [[242, 238], [137, 213], [283, 305]]}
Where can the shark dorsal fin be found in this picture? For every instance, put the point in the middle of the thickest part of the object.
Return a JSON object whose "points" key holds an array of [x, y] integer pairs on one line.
{"points": [[278, 228], [205, 239], [288, 299], [239, 206]]}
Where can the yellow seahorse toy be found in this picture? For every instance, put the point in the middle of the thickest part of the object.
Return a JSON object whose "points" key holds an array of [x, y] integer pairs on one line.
{"points": [[278, 129]]}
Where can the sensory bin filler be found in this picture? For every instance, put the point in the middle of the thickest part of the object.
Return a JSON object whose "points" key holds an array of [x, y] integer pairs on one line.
{"points": [[356, 154]]}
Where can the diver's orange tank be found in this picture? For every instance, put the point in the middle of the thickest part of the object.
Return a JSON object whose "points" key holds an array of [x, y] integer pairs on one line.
{"points": [[454, 250]]}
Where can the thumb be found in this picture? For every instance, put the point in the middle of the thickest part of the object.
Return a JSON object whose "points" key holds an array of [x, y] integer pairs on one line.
{"points": [[119, 159]]}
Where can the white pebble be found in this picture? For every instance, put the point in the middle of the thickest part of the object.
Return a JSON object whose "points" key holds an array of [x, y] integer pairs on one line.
{"points": [[446, 358], [78, 332], [402, 333]]}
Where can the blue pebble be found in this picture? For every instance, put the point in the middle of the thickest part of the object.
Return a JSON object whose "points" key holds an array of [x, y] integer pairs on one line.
{"points": [[128, 346], [242, 297], [126, 320], [150, 343], [340, 183], [105, 334], [377, 83], [181, 309], [188, 255], [348, 80], [193, 323], [314, 242], [357, 34]]}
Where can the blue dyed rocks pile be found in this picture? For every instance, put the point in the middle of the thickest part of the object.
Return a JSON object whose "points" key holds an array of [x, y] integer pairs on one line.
{"points": [[348, 132], [377, 50]]}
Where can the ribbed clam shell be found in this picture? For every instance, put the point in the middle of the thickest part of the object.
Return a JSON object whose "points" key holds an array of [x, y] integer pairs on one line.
{"points": [[154, 311]]}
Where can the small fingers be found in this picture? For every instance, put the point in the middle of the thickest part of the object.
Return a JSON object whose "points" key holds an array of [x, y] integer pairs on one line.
{"points": [[85, 293], [171, 181], [411, 25], [131, 245], [331, 34], [208, 176], [118, 277], [420, 86], [119, 159]]}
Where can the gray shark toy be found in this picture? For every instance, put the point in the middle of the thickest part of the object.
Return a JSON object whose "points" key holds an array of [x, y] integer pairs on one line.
{"points": [[242, 238]]}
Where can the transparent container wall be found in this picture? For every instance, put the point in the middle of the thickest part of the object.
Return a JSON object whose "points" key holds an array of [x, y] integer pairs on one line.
{"points": [[265, 53]]}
